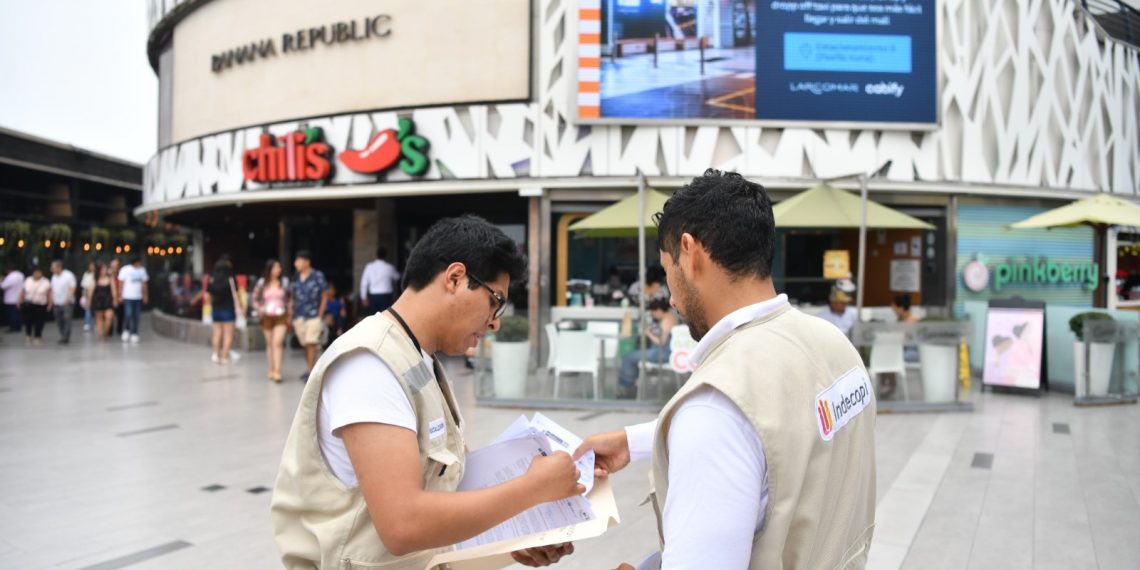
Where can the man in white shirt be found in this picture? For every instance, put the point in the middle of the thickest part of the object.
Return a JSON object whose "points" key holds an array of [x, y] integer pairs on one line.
{"points": [[62, 296], [135, 293], [12, 285], [839, 311], [742, 478], [376, 284]]}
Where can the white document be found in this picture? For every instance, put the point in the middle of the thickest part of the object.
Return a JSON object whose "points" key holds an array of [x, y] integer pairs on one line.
{"points": [[497, 555], [500, 462], [561, 439]]}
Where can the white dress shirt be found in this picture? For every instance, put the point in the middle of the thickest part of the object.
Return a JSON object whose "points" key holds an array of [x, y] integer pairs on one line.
{"points": [[718, 475], [377, 278], [844, 322]]}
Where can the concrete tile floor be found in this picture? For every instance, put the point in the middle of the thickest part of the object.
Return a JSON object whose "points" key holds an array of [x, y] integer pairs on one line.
{"points": [[106, 450]]}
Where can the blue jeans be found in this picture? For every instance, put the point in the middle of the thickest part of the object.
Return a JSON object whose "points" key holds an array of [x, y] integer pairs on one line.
{"points": [[627, 378], [14, 321], [378, 303], [132, 309]]}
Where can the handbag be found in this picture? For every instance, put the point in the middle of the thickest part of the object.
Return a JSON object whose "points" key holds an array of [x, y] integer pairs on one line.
{"points": [[239, 310]]}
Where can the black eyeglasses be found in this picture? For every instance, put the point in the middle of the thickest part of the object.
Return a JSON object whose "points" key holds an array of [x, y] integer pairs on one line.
{"points": [[502, 303]]}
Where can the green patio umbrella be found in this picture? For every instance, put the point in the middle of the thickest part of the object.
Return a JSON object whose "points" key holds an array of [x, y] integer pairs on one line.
{"points": [[631, 217], [1100, 212], [826, 206], [621, 219]]}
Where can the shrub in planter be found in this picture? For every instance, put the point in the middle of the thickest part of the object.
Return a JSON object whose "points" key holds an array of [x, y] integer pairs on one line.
{"points": [[938, 355], [1077, 323], [1097, 361], [510, 357], [513, 328]]}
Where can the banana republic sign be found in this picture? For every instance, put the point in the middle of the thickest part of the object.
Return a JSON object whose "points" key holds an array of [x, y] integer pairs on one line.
{"points": [[362, 29]]}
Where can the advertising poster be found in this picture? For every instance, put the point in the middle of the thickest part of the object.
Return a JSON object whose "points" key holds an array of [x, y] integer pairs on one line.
{"points": [[1014, 340], [906, 276], [860, 61]]}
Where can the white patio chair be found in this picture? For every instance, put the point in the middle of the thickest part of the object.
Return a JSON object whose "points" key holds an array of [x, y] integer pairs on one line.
{"points": [[552, 343], [887, 357], [577, 351], [609, 331]]}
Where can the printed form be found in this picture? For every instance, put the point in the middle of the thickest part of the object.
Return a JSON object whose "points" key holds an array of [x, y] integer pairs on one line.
{"points": [[510, 456]]}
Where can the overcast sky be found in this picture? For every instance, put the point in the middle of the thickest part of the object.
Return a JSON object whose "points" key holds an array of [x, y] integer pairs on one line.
{"points": [[75, 71]]}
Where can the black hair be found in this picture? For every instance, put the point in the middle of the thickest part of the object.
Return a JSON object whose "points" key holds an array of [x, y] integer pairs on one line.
{"points": [[220, 278], [730, 217], [381, 252], [303, 254], [654, 274], [136, 259], [265, 273], [658, 305], [903, 301], [484, 249]]}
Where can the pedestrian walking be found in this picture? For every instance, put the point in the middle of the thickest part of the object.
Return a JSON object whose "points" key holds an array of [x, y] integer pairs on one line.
{"points": [[35, 303], [336, 313], [63, 287], [377, 284], [134, 294], [115, 268], [221, 294], [12, 285], [309, 304], [271, 302], [86, 285], [101, 299]]}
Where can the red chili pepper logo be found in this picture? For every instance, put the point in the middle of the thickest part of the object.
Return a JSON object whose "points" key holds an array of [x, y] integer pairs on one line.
{"points": [[380, 154], [386, 148]]}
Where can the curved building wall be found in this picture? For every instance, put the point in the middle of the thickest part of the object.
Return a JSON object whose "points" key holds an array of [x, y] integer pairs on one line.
{"points": [[1033, 99]]}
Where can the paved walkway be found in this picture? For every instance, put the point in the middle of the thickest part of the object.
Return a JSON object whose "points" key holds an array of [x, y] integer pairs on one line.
{"points": [[151, 456]]}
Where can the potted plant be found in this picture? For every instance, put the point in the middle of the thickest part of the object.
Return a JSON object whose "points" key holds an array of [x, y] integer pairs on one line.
{"points": [[1094, 368], [938, 351], [510, 357]]}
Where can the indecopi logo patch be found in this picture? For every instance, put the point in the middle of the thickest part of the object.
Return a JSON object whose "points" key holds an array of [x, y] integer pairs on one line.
{"points": [[388, 148]]}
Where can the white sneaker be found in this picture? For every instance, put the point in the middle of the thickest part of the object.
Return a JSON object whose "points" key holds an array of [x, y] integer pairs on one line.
{"points": [[214, 357], [235, 355], [86, 328], [134, 339], [126, 336]]}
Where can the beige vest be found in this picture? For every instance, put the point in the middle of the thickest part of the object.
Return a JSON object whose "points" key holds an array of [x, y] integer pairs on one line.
{"points": [[320, 523], [821, 494]]}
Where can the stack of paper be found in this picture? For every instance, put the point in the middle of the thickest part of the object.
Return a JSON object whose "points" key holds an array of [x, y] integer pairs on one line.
{"points": [[509, 456]]}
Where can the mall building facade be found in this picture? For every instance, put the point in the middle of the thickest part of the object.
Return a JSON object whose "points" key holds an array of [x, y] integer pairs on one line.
{"points": [[341, 127]]}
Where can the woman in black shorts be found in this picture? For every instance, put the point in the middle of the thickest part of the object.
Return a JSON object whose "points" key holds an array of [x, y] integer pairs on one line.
{"points": [[101, 299]]}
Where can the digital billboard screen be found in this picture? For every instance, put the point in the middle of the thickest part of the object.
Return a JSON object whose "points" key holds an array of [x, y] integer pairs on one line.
{"points": [[811, 61]]}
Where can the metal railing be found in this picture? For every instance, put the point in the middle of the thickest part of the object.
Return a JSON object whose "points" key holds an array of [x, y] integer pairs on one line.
{"points": [[1116, 18]]}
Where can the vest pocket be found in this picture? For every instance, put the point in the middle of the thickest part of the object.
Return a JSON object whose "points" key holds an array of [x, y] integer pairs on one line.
{"points": [[444, 470]]}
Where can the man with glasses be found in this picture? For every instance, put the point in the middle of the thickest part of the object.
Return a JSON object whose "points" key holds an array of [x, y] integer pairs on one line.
{"points": [[375, 455]]}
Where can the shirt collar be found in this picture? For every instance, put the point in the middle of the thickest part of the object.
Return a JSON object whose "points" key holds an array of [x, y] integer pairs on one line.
{"points": [[734, 320]]}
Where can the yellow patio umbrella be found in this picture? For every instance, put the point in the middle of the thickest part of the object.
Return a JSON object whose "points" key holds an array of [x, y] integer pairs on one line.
{"points": [[621, 219], [631, 217], [1101, 212], [826, 206]]}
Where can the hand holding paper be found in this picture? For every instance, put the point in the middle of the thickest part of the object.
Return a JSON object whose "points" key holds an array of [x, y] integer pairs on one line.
{"points": [[554, 477], [611, 451]]}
